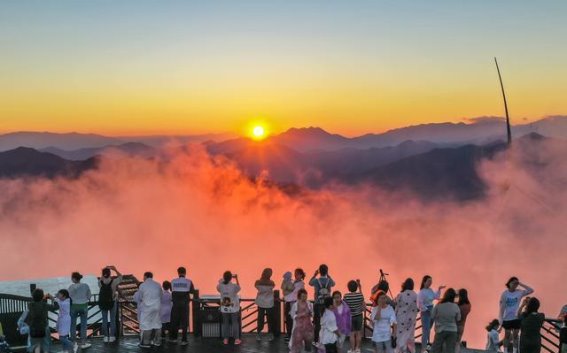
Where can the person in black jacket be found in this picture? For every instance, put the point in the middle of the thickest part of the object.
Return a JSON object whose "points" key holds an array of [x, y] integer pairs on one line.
{"points": [[38, 310]]}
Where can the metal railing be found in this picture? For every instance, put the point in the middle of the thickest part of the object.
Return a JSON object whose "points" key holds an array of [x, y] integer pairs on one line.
{"points": [[550, 335], [12, 307]]}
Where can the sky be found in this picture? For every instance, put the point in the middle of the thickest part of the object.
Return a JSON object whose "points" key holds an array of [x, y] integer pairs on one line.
{"points": [[187, 67]]}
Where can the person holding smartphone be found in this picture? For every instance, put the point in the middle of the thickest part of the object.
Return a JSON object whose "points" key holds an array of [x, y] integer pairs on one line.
{"points": [[230, 307]]}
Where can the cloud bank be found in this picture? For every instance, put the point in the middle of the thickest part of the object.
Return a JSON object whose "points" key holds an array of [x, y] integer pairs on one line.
{"points": [[202, 212]]}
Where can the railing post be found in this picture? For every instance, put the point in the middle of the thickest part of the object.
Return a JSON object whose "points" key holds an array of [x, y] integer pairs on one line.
{"points": [[277, 314], [196, 306]]}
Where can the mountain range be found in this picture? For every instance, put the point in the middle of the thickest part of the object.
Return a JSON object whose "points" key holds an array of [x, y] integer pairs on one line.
{"points": [[433, 160]]}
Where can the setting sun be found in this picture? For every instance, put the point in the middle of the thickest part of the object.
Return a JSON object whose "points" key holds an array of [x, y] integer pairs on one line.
{"points": [[258, 132]]}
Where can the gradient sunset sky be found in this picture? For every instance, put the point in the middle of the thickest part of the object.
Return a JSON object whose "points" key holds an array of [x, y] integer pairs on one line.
{"points": [[183, 67]]}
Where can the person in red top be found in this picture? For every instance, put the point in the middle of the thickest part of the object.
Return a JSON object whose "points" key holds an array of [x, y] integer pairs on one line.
{"points": [[465, 308]]}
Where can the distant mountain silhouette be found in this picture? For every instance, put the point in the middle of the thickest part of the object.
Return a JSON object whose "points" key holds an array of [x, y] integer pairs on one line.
{"points": [[75, 141], [443, 173], [69, 141], [25, 162], [130, 148], [478, 131]]}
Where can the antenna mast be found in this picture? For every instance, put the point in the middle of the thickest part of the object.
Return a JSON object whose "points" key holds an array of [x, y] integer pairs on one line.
{"points": [[508, 129]]}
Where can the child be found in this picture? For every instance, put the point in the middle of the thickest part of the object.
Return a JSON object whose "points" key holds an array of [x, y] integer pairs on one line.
{"points": [[64, 319], [166, 306], [329, 333], [493, 337], [355, 301]]}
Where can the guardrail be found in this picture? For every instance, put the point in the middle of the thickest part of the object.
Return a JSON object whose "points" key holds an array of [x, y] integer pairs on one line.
{"points": [[12, 306]]}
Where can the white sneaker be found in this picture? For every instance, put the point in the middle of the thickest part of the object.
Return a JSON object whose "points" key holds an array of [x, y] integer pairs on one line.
{"points": [[105, 339], [111, 339], [85, 345]]}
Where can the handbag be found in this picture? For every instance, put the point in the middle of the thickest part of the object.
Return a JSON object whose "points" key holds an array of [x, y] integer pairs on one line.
{"points": [[394, 341]]}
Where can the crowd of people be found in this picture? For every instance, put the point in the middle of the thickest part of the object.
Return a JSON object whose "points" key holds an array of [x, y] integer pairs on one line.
{"points": [[323, 324]]}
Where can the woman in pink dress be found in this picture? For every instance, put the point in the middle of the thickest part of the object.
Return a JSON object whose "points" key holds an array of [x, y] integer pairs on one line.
{"points": [[302, 314]]}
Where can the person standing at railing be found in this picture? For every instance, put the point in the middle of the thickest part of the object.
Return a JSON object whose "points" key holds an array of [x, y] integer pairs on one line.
{"points": [[165, 310], [445, 315], [150, 294], [406, 315], [107, 297], [509, 305], [80, 296], [265, 302], [181, 290], [290, 290], [355, 301], [230, 307], [531, 324], [385, 322], [37, 319], [302, 314], [64, 320], [425, 299], [465, 308], [323, 285]]}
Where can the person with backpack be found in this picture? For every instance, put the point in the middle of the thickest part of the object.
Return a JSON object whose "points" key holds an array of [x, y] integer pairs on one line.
{"points": [[181, 290], [38, 311], [108, 294], [323, 285], [80, 296]]}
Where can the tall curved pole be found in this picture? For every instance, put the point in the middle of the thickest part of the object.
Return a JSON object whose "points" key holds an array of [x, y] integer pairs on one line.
{"points": [[508, 129]]}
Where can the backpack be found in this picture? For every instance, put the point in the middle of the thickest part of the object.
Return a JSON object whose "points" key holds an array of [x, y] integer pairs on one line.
{"points": [[106, 296], [324, 291]]}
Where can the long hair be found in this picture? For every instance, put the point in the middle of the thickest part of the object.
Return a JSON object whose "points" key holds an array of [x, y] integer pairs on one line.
{"points": [[425, 278], [407, 285], [449, 296], [463, 297], [492, 325]]}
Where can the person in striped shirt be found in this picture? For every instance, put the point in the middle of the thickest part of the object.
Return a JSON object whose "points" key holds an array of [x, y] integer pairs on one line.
{"points": [[355, 301]]}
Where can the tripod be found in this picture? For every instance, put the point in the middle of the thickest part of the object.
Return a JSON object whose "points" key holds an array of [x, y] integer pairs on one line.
{"points": [[383, 282]]}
